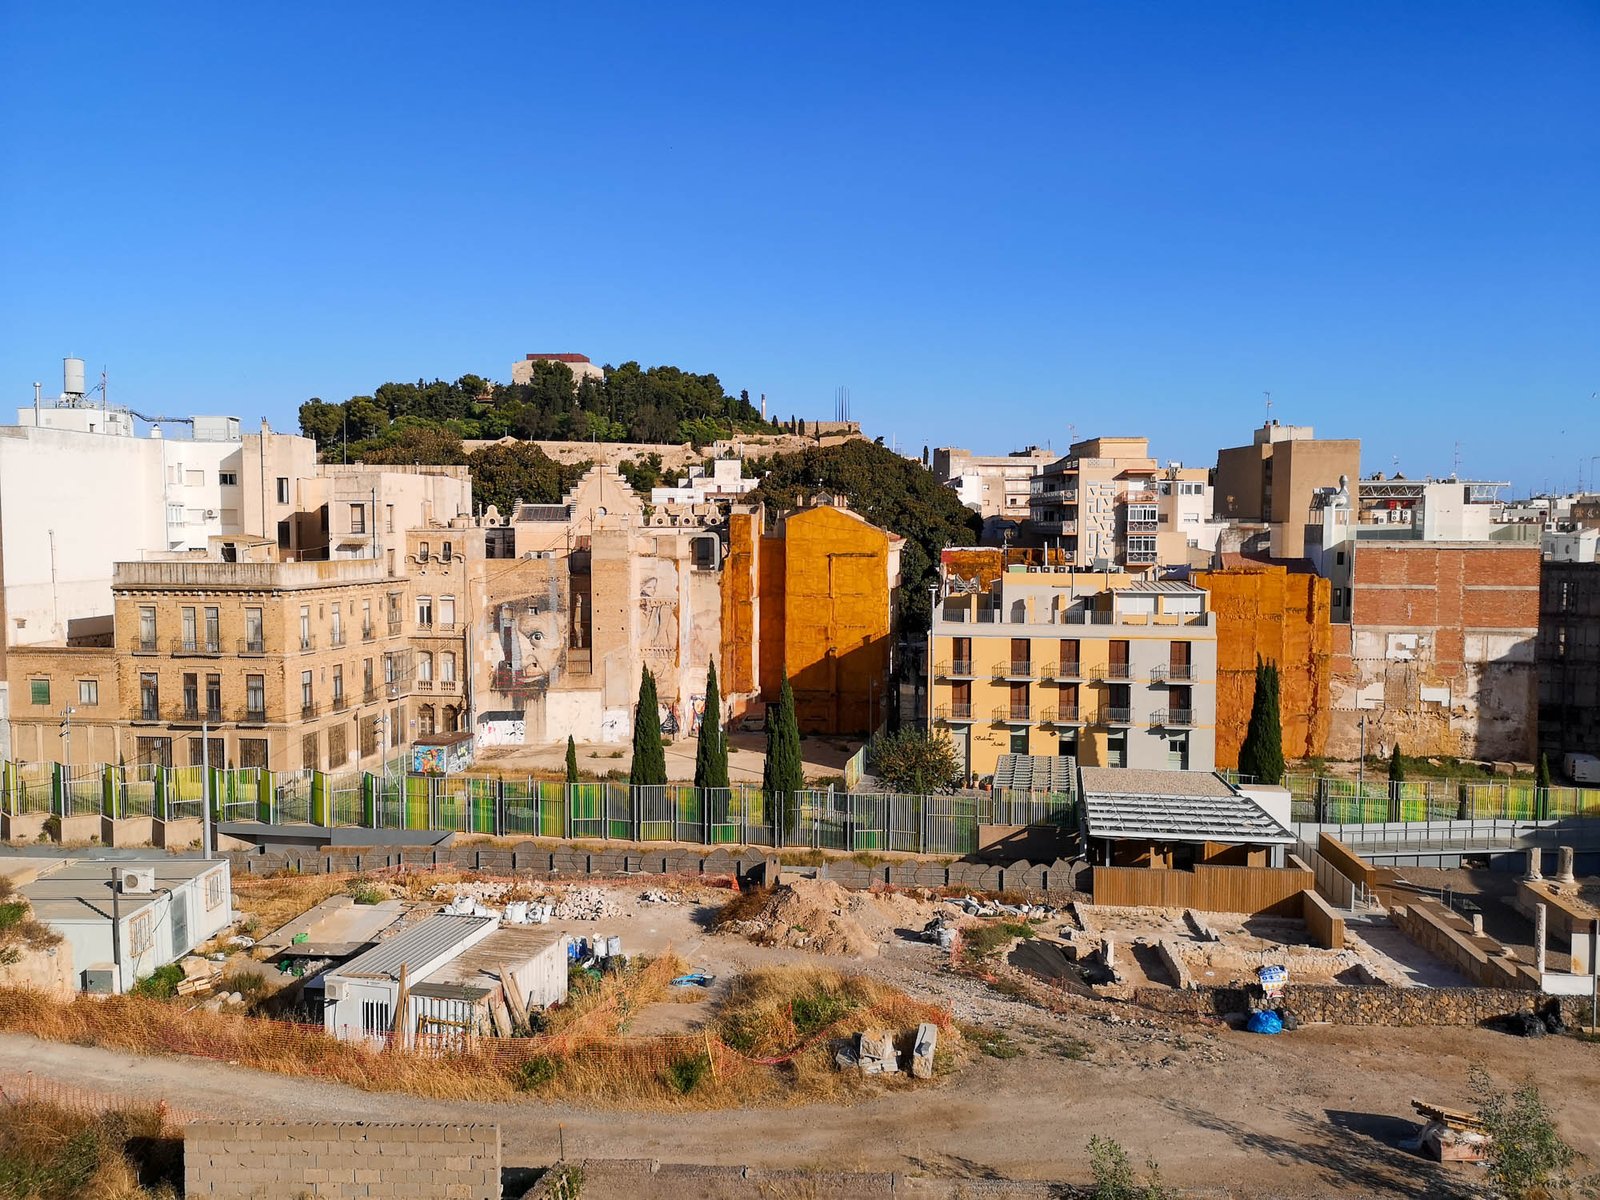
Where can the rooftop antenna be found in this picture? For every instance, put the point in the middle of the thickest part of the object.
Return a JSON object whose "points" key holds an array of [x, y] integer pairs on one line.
{"points": [[1268, 395], [1455, 462]]}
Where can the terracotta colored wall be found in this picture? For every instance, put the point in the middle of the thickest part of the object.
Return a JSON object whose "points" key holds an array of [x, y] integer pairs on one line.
{"points": [[836, 619], [738, 667], [1283, 618], [771, 589]]}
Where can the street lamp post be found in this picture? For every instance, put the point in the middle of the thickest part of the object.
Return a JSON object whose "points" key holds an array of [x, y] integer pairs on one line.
{"points": [[66, 760]]}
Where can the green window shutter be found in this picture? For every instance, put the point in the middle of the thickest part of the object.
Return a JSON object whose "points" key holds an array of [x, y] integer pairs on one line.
{"points": [[39, 691]]}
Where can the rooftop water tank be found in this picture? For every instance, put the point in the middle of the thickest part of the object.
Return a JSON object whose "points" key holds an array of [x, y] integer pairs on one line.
{"points": [[72, 376]]}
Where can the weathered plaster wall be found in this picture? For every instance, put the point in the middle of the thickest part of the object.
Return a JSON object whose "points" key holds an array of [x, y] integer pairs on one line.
{"points": [[1442, 652], [1282, 618]]}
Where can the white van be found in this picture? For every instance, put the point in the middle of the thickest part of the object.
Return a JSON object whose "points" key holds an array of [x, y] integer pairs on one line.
{"points": [[1581, 768]]}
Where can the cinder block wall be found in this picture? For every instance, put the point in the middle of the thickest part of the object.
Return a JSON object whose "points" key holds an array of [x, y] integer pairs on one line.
{"points": [[347, 1160]]}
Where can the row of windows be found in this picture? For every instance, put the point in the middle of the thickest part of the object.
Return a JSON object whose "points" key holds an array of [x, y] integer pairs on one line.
{"points": [[201, 627], [1116, 748]]}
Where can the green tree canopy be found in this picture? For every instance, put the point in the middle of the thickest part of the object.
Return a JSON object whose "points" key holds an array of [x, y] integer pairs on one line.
{"points": [[892, 492], [627, 404], [1397, 765], [1261, 756], [783, 773], [649, 757], [572, 760], [915, 762], [504, 474], [711, 756]]}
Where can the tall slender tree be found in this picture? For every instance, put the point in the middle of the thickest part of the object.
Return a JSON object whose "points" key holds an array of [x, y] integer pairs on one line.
{"points": [[783, 775], [649, 758], [1397, 764], [1261, 756], [572, 760], [711, 759]]}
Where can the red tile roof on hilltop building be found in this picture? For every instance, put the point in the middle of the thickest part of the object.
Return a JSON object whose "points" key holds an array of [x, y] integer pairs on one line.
{"points": [[567, 358]]}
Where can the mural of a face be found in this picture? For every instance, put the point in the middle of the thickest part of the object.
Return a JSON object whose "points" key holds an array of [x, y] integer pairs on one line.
{"points": [[540, 634]]}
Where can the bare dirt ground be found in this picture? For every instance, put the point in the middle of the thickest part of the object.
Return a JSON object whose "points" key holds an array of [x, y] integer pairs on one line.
{"points": [[822, 757], [1319, 1112]]}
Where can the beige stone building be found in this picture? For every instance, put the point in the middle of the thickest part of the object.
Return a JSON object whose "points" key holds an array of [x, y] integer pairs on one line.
{"points": [[1112, 669], [288, 665], [1108, 503], [1275, 480]]}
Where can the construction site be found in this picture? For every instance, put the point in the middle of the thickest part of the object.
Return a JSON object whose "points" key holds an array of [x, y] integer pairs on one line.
{"points": [[791, 1005]]}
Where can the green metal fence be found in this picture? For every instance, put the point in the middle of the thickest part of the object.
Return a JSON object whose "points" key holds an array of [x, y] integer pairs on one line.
{"points": [[604, 810]]}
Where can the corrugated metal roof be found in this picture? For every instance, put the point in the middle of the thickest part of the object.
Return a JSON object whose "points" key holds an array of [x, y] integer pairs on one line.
{"points": [[1173, 806], [509, 946], [1135, 781], [1035, 773], [418, 945], [1171, 586]]}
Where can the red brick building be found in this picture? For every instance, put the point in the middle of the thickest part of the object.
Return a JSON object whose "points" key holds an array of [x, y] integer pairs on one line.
{"points": [[1440, 652]]}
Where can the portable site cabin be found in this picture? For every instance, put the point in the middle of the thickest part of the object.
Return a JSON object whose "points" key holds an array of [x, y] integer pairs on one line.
{"points": [[163, 909], [453, 967]]}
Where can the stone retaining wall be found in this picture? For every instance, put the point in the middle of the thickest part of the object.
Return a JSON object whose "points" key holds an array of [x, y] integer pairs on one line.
{"points": [[356, 1160], [1364, 1005], [645, 1179], [565, 862], [1447, 937]]}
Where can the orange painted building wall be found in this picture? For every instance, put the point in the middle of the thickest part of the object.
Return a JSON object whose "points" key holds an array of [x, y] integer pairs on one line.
{"points": [[1283, 618], [837, 619], [739, 668]]}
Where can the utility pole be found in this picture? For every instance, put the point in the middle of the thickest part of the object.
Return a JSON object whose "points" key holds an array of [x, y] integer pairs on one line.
{"points": [[1361, 765], [116, 931], [66, 764], [205, 786]]}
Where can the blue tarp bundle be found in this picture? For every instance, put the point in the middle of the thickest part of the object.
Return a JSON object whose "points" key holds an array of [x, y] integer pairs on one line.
{"points": [[1265, 1021]]}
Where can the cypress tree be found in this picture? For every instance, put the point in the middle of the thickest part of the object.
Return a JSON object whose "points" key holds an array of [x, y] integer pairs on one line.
{"points": [[711, 759], [783, 775], [649, 759], [572, 760], [1261, 756], [1541, 776], [1397, 766]]}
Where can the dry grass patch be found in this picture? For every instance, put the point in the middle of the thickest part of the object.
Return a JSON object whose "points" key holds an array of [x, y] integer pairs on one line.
{"points": [[49, 1152], [275, 900]]}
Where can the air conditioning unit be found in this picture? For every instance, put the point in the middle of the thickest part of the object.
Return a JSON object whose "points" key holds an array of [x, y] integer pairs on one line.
{"points": [[138, 883], [335, 990], [211, 514]]}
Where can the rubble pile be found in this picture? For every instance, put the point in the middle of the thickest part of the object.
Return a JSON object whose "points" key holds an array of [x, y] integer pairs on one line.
{"points": [[585, 904], [658, 896]]}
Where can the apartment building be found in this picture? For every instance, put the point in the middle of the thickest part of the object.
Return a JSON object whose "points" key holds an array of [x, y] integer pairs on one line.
{"points": [[288, 665], [1109, 504], [997, 487], [1113, 669], [1274, 480]]}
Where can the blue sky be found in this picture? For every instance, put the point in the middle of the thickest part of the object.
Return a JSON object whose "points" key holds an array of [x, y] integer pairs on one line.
{"points": [[996, 224]]}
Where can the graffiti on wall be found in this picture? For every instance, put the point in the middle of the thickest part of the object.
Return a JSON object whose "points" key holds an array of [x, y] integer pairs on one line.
{"points": [[669, 717], [658, 612], [441, 760], [501, 729], [531, 632], [697, 714]]}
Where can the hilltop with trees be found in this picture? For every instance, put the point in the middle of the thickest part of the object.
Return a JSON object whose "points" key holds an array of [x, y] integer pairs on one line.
{"points": [[629, 404]]}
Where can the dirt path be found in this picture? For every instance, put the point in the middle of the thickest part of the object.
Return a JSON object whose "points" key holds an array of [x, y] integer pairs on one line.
{"points": [[1317, 1113]]}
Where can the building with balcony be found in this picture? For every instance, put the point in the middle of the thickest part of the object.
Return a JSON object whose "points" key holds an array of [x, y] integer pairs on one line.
{"points": [[1109, 668], [997, 487], [1108, 503], [287, 665]]}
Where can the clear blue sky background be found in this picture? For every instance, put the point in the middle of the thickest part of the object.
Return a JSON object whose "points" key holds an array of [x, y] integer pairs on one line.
{"points": [[995, 224]]}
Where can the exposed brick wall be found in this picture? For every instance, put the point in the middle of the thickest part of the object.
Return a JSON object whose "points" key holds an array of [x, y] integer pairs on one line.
{"points": [[259, 1160], [1461, 618]]}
